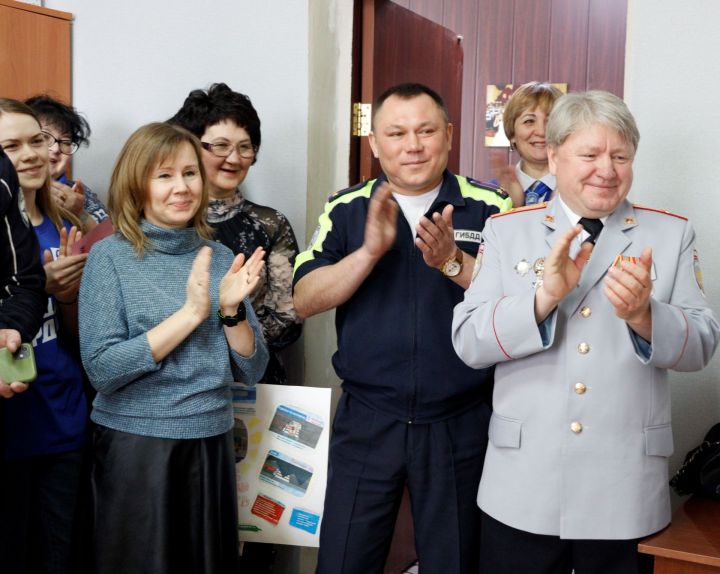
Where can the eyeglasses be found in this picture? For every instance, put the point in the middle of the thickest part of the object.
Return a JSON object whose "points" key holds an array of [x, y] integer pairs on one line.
{"points": [[224, 149], [67, 147]]}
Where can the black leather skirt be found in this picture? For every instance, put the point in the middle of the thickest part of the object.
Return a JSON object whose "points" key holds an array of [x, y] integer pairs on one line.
{"points": [[164, 506]]}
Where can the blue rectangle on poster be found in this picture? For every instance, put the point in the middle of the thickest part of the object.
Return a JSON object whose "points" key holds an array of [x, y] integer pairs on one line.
{"points": [[305, 520]]}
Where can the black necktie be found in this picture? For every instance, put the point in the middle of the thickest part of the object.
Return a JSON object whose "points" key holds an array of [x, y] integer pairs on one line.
{"points": [[593, 227]]}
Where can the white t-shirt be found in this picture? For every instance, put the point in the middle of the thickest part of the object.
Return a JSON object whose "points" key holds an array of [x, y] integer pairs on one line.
{"points": [[415, 206]]}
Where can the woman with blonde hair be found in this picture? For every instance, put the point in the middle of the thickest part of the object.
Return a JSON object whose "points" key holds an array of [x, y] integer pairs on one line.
{"points": [[524, 120], [44, 427], [165, 328]]}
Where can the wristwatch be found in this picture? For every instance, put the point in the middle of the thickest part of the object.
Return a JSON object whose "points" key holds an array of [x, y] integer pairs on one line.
{"points": [[453, 266], [234, 319]]}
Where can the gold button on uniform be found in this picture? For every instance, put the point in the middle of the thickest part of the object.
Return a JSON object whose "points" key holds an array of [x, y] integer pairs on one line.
{"points": [[580, 388], [586, 312], [583, 348], [576, 427]]}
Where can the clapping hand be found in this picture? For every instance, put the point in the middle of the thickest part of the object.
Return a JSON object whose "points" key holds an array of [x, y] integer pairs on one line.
{"points": [[628, 287], [561, 274], [71, 198], [197, 299], [507, 178], [64, 273], [381, 223], [240, 280], [436, 238]]}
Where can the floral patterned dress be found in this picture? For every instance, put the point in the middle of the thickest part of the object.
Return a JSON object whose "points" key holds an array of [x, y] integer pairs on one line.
{"points": [[244, 226]]}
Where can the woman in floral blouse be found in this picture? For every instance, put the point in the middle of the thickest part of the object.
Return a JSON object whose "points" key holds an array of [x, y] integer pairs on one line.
{"points": [[229, 130]]}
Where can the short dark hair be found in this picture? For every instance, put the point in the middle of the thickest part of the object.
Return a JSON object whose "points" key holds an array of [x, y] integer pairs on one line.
{"points": [[408, 91], [64, 117], [203, 109]]}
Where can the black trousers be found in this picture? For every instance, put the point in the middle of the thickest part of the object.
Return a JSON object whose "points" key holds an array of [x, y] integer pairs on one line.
{"points": [[506, 550], [37, 513], [372, 457]]}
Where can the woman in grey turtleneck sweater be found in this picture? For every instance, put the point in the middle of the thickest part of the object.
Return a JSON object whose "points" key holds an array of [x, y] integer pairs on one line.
{"points": [[165, 327]]}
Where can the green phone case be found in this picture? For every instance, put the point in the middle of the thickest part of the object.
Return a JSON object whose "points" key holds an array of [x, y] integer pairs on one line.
{"points": [[19, 366]]}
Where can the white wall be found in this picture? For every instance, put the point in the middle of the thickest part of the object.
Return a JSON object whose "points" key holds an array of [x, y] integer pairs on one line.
{"points": [[134, 62], [672, 87]]}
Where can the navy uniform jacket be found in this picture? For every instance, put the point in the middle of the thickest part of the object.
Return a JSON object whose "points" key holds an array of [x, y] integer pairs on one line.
{"points": [[581, 432], [394, 348]]}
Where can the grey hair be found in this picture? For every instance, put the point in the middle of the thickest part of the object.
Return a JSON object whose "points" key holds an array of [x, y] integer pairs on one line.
{"points": [[580, 110]]}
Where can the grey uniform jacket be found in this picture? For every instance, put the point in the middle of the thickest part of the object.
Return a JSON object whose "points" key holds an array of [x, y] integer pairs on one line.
{"points": [[580, 436]]}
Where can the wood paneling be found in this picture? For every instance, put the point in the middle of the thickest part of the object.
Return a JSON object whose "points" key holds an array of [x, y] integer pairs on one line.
{"points": [[494, 65], [531, 44], [606, 45], [407, 47], [578, 42], [462, 17], [34, 51], [568, 43], [431, 9]]}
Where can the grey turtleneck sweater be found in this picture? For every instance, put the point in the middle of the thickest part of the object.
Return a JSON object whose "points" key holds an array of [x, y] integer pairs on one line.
{"points": [[122, 297]]}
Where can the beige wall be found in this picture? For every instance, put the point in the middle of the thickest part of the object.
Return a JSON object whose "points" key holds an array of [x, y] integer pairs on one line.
{"points": [[330, 67], [669, 86]]}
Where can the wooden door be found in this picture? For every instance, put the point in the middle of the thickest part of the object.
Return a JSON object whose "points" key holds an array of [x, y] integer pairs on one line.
{"points": [[397, 45], [577, 42], [34, 51]]}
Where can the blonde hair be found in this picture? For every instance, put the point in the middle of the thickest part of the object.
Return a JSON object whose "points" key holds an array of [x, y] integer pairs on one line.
{"points": [[528, 96], [43, 200], [147, 147]]}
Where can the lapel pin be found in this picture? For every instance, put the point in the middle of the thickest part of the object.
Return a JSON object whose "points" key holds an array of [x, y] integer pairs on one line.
{"points": [[522, 267], [539, 270]]}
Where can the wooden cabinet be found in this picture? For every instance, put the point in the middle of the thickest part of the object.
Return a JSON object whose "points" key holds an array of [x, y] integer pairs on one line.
{"points": [[691, 544], [34, 51]]}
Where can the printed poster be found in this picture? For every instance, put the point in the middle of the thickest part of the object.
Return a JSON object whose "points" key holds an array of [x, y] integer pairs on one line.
{"points": [[281, 449]]}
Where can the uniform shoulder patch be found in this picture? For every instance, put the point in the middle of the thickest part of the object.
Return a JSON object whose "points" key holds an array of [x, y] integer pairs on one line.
{"points": [[663, 211], [347, 190], [487, 186], [521, 209]]}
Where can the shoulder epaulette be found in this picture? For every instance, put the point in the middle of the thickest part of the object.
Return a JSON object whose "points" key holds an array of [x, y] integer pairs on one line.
{"points": [[347, 190], [643, 208], [488, 186], [521, 209]]}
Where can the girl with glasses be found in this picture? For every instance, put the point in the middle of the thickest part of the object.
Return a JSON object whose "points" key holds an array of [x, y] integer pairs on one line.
{"points": [[66, 130]]}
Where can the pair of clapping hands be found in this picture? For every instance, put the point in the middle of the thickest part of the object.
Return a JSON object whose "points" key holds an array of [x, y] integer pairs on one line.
{"points": [[435, 238], [238, 283], [628, 284]]}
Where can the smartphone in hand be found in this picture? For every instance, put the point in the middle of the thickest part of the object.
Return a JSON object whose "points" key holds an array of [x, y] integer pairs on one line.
{"points": [[18, 366]]}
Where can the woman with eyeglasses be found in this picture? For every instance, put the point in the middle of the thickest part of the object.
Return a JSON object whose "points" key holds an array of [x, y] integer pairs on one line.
{"points": [[44, 427], [66, 131], [229, 131]]}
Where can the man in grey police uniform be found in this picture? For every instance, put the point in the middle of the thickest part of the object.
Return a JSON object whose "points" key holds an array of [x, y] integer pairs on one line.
{"points": [[583, 337]]}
